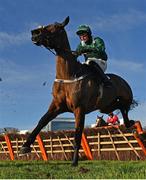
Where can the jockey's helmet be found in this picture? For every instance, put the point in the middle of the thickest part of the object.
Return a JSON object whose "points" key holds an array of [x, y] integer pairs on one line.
{"points": [[83, 29]]}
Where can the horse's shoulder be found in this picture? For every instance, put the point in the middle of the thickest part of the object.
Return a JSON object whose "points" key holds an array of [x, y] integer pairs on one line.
{"points": [[83, 69]]}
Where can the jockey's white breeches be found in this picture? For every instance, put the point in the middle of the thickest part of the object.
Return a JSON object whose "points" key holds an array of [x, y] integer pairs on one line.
{"points": [[100, 62]]}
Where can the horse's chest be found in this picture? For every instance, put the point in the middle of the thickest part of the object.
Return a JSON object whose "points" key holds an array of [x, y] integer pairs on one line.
{"points": [[59, 92], [67, 93], [73, 97]]}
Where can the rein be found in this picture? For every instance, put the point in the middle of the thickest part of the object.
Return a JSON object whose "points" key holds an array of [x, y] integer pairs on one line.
{"points": [[60, 49], [67, 80], [51, 51]]}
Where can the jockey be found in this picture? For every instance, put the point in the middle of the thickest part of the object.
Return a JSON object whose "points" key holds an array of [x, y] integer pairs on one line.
{"points": [[93, 50], [113, 119]]}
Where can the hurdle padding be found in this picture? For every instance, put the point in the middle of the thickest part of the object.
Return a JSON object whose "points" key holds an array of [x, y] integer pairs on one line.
{"points": [[102, 143], [10, 145], [116, 143]]}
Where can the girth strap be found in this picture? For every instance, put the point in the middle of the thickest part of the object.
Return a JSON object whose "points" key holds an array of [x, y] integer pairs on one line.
{"points": [[71, 80]]}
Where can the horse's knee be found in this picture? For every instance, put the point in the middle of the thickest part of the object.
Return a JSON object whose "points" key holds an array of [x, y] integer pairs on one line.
{"points": [[44, 120], [78, 136], [78, 132], [78, 129]]}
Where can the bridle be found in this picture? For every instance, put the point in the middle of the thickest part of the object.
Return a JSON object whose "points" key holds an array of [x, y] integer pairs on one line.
{"points": [[58, 48], [65, 50], [48, 37]]}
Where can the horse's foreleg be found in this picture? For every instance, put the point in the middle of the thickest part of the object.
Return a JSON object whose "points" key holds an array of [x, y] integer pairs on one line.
{"points": [[79, 126], [50, 114]]}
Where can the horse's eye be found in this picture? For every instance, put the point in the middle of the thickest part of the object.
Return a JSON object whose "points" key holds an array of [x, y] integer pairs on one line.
{"points": [[38, 31], [35, 32]]}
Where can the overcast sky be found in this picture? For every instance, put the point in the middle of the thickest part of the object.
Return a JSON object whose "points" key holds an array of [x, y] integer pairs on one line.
{"points": [[27, 72]]}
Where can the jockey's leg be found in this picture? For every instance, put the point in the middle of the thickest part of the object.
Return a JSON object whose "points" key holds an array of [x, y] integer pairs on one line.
{"points": [[97, 69]]}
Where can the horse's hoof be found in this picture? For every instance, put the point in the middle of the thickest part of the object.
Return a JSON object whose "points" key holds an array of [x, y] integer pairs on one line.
{"points": [[74, 164], [130, 124], [24, 150]]}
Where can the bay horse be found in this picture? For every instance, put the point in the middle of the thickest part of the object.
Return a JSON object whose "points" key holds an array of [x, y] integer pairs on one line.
{"points": [[76, 89], [100, 121]]}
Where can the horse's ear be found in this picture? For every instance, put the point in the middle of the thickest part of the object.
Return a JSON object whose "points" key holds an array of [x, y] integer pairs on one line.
{"points": [[65, 22]]}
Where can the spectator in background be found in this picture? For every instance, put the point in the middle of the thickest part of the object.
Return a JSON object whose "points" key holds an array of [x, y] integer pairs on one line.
{"points": [[113, 119]]}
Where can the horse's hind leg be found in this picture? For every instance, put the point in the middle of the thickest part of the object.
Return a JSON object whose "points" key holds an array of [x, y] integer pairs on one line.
{"points": [[51, 114], [79, 125], [127, 122]]}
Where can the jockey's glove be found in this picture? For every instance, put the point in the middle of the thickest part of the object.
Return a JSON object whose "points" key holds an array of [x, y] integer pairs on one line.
{"points": [[75, 53], [81, 51]]}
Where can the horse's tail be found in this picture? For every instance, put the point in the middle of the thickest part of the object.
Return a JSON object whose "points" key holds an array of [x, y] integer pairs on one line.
{"points": [[134, 104]]}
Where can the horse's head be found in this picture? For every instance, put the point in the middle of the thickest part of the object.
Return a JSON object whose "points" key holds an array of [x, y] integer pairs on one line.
{"points": [[50, 35], [99, 118], [100, 121]]}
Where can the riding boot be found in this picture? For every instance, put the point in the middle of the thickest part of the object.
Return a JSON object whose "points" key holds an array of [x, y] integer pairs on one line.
{"points": [[99, 71]]}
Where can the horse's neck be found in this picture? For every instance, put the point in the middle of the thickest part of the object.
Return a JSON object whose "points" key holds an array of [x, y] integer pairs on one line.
{"points": [[66, 64]]}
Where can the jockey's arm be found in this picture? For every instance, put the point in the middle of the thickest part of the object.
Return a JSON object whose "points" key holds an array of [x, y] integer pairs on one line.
{"points": [[97, 46], [86, 49], [99, 43]]}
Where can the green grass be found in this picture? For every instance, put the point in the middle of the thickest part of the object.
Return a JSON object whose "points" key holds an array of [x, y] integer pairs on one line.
{"points": [[64, 170]]}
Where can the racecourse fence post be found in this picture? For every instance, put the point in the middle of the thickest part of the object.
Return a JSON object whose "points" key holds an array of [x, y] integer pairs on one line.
{"points": [[138, 127], [9, 145], [139, 131], [42, 148], [86, 147], [140, 144]]}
